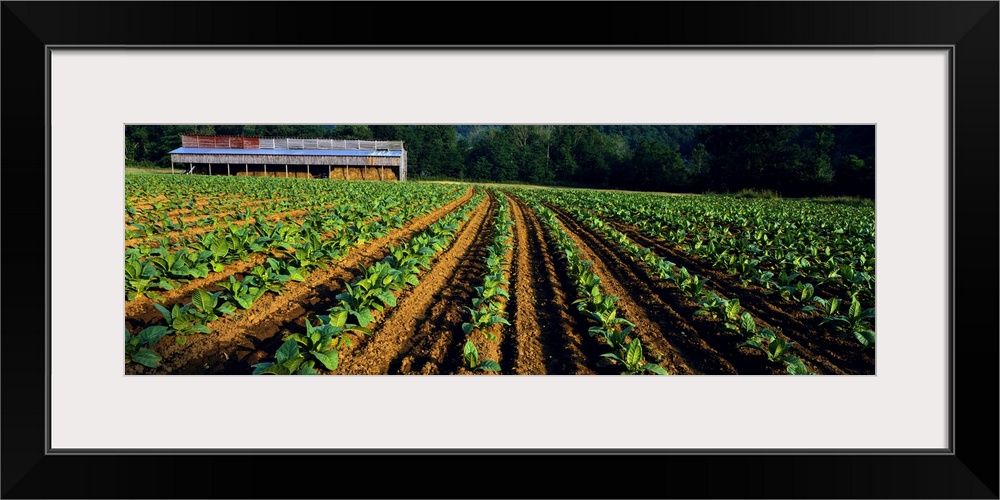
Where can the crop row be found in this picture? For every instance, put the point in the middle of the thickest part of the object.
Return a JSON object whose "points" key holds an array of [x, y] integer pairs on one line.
{"points": [[489, 306], [781, 247], [764, 340], [374, 290], [610, 329], [736, 256], [310, 252], [289, 247]]}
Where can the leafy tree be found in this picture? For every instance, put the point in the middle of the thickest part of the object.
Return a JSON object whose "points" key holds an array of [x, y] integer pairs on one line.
{"points": [[492, 157], [855, 176], [794, 160], [362, 132], [658, 167], [750, 156], [697, 166]]}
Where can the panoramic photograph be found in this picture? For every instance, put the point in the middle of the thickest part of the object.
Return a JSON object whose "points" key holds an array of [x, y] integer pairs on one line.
{"points": [[499, 249]]}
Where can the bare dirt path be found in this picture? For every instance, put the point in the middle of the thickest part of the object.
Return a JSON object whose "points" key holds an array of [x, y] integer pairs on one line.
{"points": [[548, 335]]}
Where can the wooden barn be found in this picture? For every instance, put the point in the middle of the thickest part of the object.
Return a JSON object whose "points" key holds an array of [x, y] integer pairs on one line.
{"points": [[289, 157]]}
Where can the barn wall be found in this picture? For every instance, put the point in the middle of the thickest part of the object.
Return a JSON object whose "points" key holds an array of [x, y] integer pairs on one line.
{"points": [[289, 160]]}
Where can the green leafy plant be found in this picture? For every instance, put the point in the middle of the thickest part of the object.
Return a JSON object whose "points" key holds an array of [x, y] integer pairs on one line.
{"points": [[243, 292], [471, 356], [183, 320], [138, 346], [208, 305], [180, 265], [606, 314], [767, 341], [283, 270], [288, 360], [268, 279], [218, 254], [633, 360], [482, 319], [829, 307], [311, 253], [717, 307], [321, 343], [372, 290], [747, 328], [854, 323], [141, 278], [492, 287]]}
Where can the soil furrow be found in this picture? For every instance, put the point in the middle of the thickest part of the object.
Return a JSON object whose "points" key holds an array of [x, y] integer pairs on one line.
{"points": [[663, 331], [548, 333], [835, 355], [418, 336], [239, 341]]}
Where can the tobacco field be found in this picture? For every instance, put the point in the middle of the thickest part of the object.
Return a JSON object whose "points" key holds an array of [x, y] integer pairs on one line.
{"points": [[258, 276]]}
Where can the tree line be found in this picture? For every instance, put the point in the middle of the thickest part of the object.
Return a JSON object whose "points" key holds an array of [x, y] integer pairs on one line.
{"points": [[792, 160]]}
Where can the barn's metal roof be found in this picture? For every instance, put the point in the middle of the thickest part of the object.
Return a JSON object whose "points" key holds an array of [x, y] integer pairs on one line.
{"points": [[288, 152]]}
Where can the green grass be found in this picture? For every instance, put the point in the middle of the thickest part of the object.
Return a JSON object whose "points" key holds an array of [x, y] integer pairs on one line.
{"points": [[147, 170]]}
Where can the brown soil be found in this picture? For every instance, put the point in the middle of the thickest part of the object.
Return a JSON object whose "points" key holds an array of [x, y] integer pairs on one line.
{"points": [[548, 336]]}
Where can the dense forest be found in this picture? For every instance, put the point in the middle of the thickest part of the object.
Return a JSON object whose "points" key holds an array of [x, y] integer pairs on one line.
{"points": [[791, 160]]}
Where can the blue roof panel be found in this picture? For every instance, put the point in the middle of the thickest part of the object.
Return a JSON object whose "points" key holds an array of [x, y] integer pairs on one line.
{"points": [[289, 152]]}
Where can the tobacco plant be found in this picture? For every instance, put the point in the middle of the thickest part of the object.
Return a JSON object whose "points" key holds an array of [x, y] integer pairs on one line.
{"points": [[634, 361], [138, 346], [854, 323], [471, 356], [183, 320], [288, 360], [243, 292]]}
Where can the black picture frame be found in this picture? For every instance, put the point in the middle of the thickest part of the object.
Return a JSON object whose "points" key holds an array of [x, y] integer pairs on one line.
{"points": [[969, 470]]}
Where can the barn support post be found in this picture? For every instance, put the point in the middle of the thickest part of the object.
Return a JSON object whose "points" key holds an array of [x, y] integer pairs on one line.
{"points": [[308, 173], [209, 169], [381, 173], [265, 170], [227, 170], [347, 172], [329, 171], [246, 169], [171, 167], [286, 170]]}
